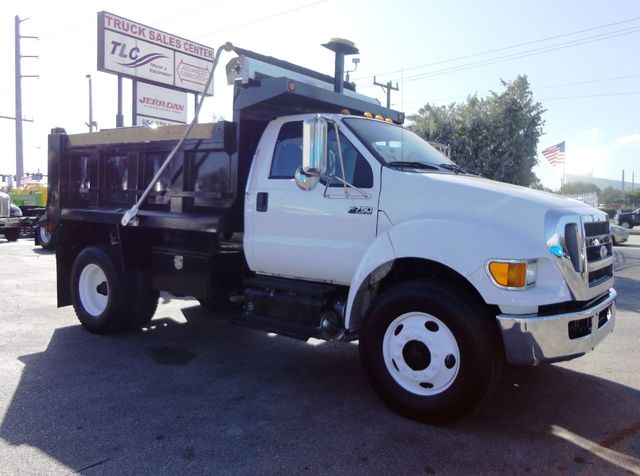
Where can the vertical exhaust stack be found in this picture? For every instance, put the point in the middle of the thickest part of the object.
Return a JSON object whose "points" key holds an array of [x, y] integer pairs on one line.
{"points": [[341, 48]]}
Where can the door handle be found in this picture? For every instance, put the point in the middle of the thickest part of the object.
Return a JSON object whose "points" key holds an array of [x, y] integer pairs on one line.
{"points": [[262, 201]]}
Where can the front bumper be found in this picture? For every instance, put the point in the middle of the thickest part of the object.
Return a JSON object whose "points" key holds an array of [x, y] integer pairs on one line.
{"points": [[533, 339], [13, 222]]}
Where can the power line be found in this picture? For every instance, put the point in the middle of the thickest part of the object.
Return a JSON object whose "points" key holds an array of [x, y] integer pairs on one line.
{"points": [[584, 96], [590, 81], [257, 20], [495, 50], [524, 54], [157, 20], [183, 13], [627, 93]]}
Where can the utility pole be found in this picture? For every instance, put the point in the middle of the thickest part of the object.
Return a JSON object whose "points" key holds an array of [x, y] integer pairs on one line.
{"points": [[387, 88], [18, 118]]}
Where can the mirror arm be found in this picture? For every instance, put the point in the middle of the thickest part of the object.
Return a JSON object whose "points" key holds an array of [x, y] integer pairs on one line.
{"points": [[346, 184], [346, 189]]}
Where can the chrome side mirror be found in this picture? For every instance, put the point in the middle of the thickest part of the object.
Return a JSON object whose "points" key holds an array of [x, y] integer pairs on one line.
{"points": [[314, 146], [305, 181], [314, 153]]}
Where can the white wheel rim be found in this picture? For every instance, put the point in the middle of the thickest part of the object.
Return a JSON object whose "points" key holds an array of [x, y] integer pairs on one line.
{"points": [[45, 236], [421, 353], [626, 224], [93, 289]]}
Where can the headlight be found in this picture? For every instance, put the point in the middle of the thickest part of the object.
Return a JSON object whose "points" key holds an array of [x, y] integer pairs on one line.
{"points": [[15, 211], [512, 274]]}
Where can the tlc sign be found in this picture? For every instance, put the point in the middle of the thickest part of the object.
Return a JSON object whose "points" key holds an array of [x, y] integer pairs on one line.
{"points": [[138, 51]]}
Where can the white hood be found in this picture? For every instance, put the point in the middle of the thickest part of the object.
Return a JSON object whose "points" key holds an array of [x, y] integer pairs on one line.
{"points": [[410, 195]]}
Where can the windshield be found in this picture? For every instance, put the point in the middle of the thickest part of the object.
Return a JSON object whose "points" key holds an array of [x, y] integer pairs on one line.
{"points": [[394, 144]]}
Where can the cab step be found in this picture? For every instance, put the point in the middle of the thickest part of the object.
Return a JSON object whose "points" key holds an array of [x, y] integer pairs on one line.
{"points": [[291, 307], [278, 326]]}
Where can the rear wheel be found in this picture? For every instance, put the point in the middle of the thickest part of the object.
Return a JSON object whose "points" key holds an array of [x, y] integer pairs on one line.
{"points": [[430, 352], [100, 291], [12, 234], [106, 297], [146, 300], [626, 224]]}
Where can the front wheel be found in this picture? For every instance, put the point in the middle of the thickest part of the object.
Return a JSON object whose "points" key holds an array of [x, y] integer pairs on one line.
{"points": [[46, 238], [12, 234], [430, 352]]}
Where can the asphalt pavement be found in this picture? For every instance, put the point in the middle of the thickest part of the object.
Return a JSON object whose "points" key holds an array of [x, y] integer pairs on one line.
{"points": [[194, 394]]}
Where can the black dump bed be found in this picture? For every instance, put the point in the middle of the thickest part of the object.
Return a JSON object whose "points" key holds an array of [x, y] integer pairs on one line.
{"points": [[96, 177]]}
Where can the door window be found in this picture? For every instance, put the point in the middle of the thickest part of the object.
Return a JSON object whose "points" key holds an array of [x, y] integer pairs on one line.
{"points": [[287, 157]]}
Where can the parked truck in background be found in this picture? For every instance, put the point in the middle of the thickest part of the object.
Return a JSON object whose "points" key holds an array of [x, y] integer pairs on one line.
{"points": [[326, 218], [10, 218], [32, 201], [628, 219]]}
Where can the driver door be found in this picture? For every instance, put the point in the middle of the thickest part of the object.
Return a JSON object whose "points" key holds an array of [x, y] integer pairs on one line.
{"points": [[318, 234]]}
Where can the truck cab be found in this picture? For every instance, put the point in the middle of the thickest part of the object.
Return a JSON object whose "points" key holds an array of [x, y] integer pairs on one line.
{"points": [[315, 213]]}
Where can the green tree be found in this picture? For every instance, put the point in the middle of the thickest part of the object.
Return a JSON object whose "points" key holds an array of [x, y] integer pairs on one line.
{"points": [[496, 136], [611, 197], [579, 187], [632, 198]]}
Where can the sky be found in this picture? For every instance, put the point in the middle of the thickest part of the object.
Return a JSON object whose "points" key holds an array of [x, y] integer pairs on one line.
{"points": [[581, 59]]}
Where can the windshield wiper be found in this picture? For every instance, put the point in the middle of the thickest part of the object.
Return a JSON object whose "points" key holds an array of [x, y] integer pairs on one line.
{"points": [[415, 165], [456, 169]]}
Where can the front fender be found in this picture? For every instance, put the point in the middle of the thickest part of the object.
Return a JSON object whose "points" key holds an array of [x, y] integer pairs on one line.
{"points": [[465, 248]]}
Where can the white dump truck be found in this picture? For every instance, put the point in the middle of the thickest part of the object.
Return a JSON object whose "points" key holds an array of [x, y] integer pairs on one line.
{"points": [[315, 213]]}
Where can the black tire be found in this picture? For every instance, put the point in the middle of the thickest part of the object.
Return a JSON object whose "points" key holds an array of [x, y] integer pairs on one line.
{"points": [[111, 312], [458, 329], [626, 224], [146, 300], [47, 240], [12, 234]]}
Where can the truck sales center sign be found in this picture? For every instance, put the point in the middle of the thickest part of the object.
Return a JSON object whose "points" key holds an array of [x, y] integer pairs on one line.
{"points": [[137, 51]]}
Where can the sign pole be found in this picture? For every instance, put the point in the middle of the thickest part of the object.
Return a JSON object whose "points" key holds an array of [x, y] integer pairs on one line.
{"points": [[119, 116], [134, 102]]}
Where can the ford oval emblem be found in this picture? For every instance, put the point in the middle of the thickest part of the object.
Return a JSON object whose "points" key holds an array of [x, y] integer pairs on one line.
{"points": [[604, 252]]}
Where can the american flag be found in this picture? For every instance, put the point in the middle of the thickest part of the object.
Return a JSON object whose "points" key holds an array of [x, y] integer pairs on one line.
{"points": [[555, 154]]}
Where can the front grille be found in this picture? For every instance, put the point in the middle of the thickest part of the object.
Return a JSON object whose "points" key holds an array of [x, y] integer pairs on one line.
{"points": [[5, 205], [597, 228], [599, 249]]}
